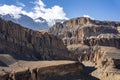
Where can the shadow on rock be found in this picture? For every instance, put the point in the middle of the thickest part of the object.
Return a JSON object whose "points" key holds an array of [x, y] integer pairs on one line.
{"points": [[89, 69], [81, 76]]}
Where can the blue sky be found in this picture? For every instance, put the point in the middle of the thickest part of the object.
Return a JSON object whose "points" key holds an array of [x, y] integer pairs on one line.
{"points": [[97, 9]]}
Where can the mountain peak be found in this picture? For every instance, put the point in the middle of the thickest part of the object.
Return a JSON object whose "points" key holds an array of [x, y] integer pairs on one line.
{"points": [[27, 21], [40, 19]]}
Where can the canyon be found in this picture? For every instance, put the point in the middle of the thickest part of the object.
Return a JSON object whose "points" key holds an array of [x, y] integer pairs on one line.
{"points": [[77, 49], [92, 42], [26, 44]]}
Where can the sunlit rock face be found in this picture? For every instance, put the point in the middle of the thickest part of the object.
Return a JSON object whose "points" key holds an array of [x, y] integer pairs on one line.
{"points": [[45, 70], [94, 41], [76, 30], [81, 39]]}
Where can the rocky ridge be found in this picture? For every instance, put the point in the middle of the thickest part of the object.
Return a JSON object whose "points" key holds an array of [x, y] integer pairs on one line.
{"points": [[92, 41], [22, 48], [26, 44], [76, 30], [87, 41]]}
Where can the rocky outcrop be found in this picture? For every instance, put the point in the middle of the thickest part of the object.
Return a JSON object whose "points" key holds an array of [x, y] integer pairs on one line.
{"points": [[46, 70], [86, 40], [75, 31], [92, 41], [118, 28], [26, 44], [104, 40], [106, 60]]}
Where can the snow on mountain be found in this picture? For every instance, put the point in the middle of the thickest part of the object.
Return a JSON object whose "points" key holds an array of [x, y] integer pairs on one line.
{"points": [[28, 22]]}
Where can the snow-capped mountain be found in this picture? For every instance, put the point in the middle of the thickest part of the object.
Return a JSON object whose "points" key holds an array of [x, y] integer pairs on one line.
{"points": [[28, 22]]}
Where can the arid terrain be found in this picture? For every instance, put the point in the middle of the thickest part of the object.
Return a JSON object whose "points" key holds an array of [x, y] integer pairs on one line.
{"points": [[93, 42], [77, 49]]}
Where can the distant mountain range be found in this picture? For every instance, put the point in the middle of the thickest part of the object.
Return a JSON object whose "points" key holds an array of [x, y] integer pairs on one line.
{"points": [[28, 22]]}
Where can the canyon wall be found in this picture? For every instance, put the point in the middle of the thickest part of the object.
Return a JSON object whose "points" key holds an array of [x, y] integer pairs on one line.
{"points": [[80, 39], [26, 44], [92, 41], [76, 30], [80, 35]]}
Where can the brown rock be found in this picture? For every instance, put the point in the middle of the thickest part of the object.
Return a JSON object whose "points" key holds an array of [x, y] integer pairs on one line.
{"points": [[47, 70], [94, 41], [112, 40], [26, 44], [75, 31]]}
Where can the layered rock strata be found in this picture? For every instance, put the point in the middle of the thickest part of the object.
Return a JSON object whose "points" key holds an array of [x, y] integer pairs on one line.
{"points": [[93, 41], [45, 70], [26, 44], [75, 31]]}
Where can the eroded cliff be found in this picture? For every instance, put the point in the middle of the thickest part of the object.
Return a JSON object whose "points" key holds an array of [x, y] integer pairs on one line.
{"points": [[75, 31], [45, 70], [26, 44], [92, 41]]}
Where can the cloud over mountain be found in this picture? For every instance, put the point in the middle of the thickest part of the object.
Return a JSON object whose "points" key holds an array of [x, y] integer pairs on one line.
{"points": [[12, 10], [39, 10]]}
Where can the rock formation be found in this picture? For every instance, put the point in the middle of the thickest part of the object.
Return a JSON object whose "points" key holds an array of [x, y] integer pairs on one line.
{"points": [[26, 44], [104, 40], [94, 41], [76, 30], [45, 70], [82, 39]]}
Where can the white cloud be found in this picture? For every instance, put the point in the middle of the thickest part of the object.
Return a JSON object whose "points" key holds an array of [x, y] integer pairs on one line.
{"points": [[11, 9], [50, 14], [20, 4], [39, 10], [88, 16]]}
